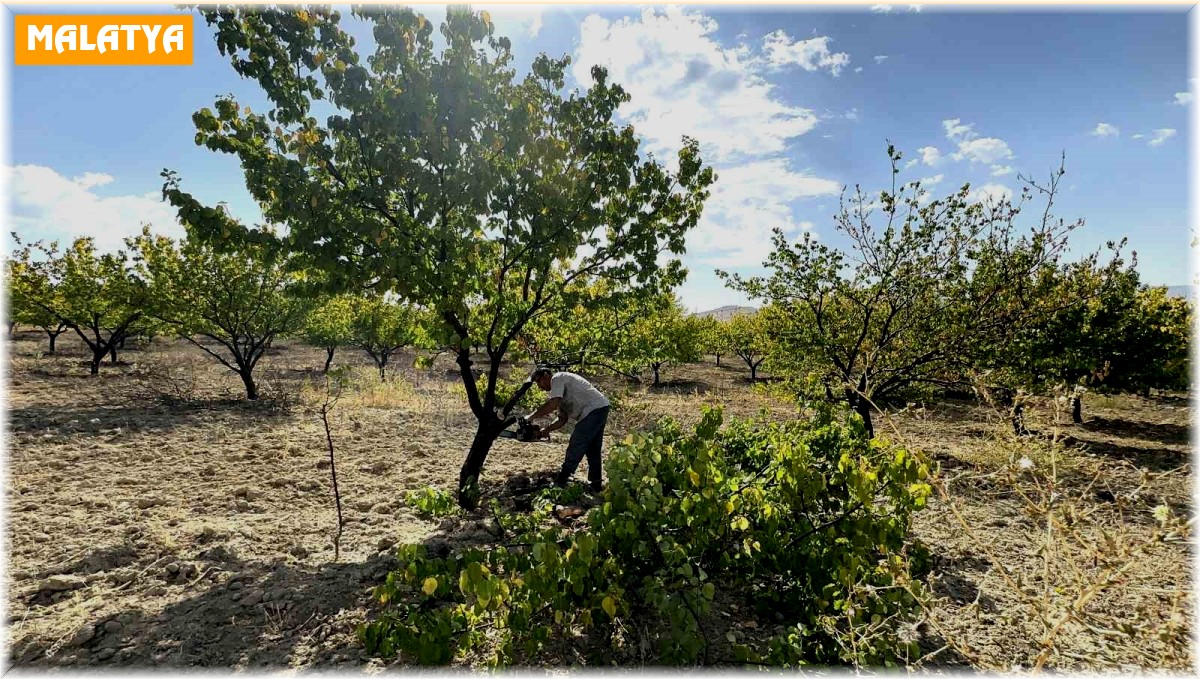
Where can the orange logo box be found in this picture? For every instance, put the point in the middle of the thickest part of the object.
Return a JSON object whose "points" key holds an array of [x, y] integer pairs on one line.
{"points": [[103, 40]]}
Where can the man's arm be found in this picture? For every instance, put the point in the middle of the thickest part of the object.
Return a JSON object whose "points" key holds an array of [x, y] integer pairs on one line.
{"points": [[557, 424], [547, 408]]}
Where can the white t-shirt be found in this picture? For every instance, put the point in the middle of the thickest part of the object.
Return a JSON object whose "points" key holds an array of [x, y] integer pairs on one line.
{"points": [[579, 397]]}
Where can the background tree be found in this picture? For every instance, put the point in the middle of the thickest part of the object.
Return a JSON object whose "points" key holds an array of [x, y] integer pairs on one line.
{"points": [[1120, 336], [23, 284], [381, 328], [237, 301], [329, 325], [924, 294], [443, 177], [714, 337], [664, 335], [748, 337], [96, 295]]}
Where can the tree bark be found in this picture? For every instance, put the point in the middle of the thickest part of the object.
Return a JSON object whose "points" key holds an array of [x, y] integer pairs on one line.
{"points": [[53, 337], [382, 364], [1017, 415], [328, 359], [248, 381], [656, 380], [718, 360], [753, 372], [1077, 409], [12, 329], [97, 356], [863, 407], [472, 469]]}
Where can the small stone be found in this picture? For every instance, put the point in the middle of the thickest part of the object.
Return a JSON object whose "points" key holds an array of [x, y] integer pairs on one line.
{"points": [[106, 653], [173, 522], [323, 464], [148, 502], [41, 537], [172, 568], [243, 506], [61, 583], [235, 585], [382, 508], [84, 635], [236, 596], [156, 591], [252, 598], [29, 506], [112, 626], [364, 505], [385, 542]]}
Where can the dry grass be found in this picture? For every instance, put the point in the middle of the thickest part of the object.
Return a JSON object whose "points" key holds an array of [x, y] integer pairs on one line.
{"points": [[202, 525]]}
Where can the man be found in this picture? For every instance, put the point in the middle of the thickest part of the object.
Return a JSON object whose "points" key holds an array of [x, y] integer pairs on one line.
{"points": [[573, 397]]}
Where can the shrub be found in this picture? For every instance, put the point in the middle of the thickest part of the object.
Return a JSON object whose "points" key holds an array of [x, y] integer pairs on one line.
{"points": [[807, 520], [431, 502]]}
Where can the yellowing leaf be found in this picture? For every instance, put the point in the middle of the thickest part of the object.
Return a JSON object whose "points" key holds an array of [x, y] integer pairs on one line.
{"points": [[609, 606], [695, 478], [430, 586]]}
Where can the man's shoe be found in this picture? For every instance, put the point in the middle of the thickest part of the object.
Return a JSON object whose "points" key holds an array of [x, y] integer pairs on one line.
{"points": [[596, 486]]}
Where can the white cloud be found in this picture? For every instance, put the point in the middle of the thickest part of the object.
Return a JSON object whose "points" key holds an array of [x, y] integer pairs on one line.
{"points": [[1161, 135], [811, 55], [930, 155], [879, 59], [881, 8], [935, 179], [1138, 136], [987, 150], [1183, 98], [972, 147], [89, 180], [852, 114], [955, 129], [915, 8], [46, 204], [513, 20], [681, 80], [1105, 130], [1001, 170], [747, 202], [858, 69], [989, 194], [910, 163]]}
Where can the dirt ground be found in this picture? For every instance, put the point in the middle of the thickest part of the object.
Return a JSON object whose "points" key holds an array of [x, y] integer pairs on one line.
{"points": [[156, 519]]}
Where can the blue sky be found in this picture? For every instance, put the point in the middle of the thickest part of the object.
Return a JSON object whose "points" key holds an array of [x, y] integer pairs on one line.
{"points": [[788, 106]]}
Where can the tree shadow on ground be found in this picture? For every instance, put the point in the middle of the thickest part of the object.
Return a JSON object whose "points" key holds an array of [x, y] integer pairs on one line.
{"points": [[1154, 459], [685, 387], [51, 423], [1165, 432], [243, 615]]}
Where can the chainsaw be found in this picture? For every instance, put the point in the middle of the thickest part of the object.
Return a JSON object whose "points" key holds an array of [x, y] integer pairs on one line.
{"points": [[527, 432]]}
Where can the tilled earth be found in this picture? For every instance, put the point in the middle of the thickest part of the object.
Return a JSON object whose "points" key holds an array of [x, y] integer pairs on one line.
{"points": [[157, 519]]}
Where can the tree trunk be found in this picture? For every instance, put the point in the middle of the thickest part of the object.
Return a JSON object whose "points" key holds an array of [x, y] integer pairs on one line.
{"points": [[472, 469], [753, 372], [656, 380], [121, 342], [248, 381], [1077, 409], [718, 360], [1017, 415], [382, 364], [12, 329], [112, 352], [97, 356], [328, 359], [53, 336], [863, 408], [1145, 392]]}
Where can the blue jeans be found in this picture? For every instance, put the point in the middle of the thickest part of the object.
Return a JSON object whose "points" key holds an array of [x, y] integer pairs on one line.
{"points": [[587, 439]]}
